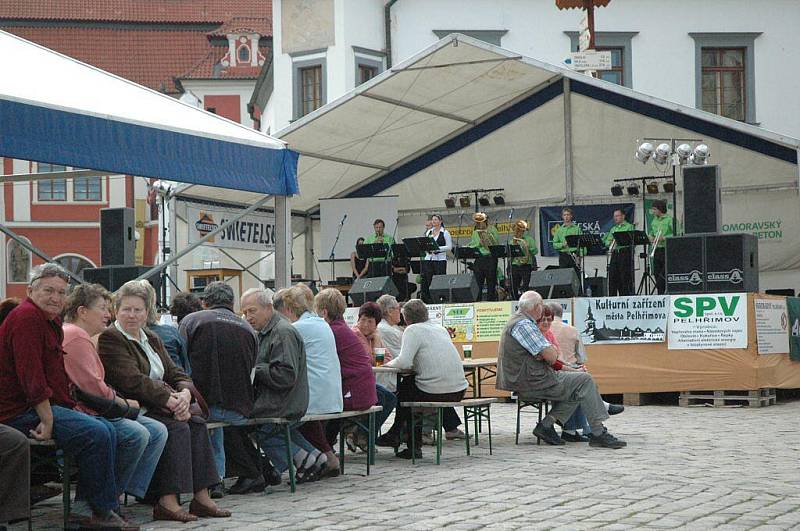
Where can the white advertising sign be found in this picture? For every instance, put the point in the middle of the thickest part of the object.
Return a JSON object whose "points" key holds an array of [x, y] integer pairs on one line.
{"points": [[772, 326], [610, 320], [712, 321], [255, 232]]}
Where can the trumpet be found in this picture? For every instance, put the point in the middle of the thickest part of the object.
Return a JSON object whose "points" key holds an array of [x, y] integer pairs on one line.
{"points": [[524, 244], [379, 239], [655, 244]]}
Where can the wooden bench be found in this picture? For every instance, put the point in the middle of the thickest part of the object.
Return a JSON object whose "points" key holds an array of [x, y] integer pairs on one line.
{"points": [[349, 418], [542, 406], [475, 409]]}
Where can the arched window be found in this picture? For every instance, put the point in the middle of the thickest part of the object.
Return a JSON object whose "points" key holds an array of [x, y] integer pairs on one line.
{"points": [[243, 54], [19, 262], [74, 263]]}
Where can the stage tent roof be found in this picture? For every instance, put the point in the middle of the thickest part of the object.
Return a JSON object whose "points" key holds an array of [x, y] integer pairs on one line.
{"points": [[58, 110], [466, 114]]}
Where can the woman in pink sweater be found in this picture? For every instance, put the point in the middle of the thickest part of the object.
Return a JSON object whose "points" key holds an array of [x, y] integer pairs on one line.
{"points": [[139, 441]]}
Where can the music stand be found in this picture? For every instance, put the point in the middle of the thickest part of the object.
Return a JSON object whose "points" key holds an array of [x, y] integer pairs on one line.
{"points": [[632, 238], [583, 241], [371, 251], [420, 246]]}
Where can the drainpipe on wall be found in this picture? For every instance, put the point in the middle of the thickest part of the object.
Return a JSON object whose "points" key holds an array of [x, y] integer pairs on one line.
{"points": [[387, 31]]}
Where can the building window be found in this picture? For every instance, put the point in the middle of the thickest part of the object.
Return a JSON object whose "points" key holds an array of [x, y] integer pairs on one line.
{"points": [[619, 44], [723, 82], [365, 73], [52, 190], [617, 73], [87, 189], [46, 167], [725, 74], [73, 263], [19, 262], [369, 63], [243, 54], [308, 82]]}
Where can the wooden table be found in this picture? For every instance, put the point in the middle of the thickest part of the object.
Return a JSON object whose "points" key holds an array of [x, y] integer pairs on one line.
{"points": [[479, 370]]}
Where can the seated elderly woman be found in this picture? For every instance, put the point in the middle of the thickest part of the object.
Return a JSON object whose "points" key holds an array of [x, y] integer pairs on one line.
{"points": [[137, 366], [366, 330], [438, 371], [140, 441], [358, 381]]}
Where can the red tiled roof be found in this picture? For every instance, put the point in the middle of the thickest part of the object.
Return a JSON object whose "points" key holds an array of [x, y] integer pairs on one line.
{"points": [[262, 26], [149, 57], [175, 11], [210, 67]]}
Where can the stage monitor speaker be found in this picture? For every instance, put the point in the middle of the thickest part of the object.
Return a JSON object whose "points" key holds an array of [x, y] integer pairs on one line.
{"points": [[685, 266], [117, 236], [702, 199], [113, 277], [369, 289], [731, 263], [556, 283], [596, 287], [454, 288]]}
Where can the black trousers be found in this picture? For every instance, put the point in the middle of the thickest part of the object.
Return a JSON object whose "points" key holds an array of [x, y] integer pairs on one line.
{"points": [[659, 270], [430, 268], [620, 273], [408, 391], [520, 279], [187, 463], [485, 269], [242, 456]]}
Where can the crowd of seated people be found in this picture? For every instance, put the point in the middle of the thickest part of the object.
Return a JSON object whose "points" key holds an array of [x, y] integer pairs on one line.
{"points": [[102, 377]]}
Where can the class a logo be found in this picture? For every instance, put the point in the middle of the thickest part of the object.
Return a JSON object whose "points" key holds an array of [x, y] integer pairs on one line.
{"points": [[736, 276], [695, 277], [205, 224]]}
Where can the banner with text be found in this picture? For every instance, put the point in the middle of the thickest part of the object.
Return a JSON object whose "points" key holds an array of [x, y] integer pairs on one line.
{"points": [[610, 320], [713, 321], [772, 326], [793, 310], [254, 232], [592, 219]]}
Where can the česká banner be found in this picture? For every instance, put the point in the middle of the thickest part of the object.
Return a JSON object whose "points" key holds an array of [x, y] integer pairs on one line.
{"points": [[793, 307], [609, 320], [705, 322], [255, 232], [592, 219]]}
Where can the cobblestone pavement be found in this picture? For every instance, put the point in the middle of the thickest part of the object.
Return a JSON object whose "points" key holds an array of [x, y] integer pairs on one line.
{"points": [[695, 468]]}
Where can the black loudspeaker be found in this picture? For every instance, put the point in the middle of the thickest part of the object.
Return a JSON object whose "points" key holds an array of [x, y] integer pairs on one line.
{"points": [[369, 289], [596, 287], [731, 262], [712, 263], [702, 199], [685, 267], [556, 283], [454, 288], [113, 277], [117, 236]]}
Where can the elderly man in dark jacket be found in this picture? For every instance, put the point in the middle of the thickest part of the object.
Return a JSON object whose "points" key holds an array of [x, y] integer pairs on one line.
{"points": [[222, 351], [281, 383]]}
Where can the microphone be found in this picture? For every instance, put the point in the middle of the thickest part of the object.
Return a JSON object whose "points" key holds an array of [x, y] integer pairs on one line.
{"points": [[511, 215], [344, 218]]}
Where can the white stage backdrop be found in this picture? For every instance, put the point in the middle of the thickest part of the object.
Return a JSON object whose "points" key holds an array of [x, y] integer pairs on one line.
{"points": [[360, 212]]}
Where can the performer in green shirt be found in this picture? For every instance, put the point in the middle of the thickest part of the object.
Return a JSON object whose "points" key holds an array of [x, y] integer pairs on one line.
{"points": [[485, 266], [379, 267], [660, 229], [620, 268], [522, 266], [567, 256]]}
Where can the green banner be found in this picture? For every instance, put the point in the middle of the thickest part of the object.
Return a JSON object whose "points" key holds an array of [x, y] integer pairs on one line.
{"points": [[793, 305]]}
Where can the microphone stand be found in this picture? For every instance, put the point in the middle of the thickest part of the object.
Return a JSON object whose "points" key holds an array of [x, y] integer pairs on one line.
{"points": [[508, 262], [316, 266], [333, 250], [458, 237]]}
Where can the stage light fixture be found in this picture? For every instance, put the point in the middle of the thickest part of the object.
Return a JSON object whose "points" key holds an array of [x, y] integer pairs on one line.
{"points": [[633, 189], [499, 199], [616, 190], [652, 188], [669, 187], [684, 151], [700, 154], [484, 200], [644, 152], [450, 202], [464, 201], [663, 151]]}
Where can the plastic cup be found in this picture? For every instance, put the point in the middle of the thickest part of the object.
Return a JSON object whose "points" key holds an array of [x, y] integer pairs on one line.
{"points": [[467, 349], [380, 353]]}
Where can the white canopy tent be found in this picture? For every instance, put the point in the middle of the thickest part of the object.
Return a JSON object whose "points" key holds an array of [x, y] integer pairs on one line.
{"points": [[465, 114]]}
